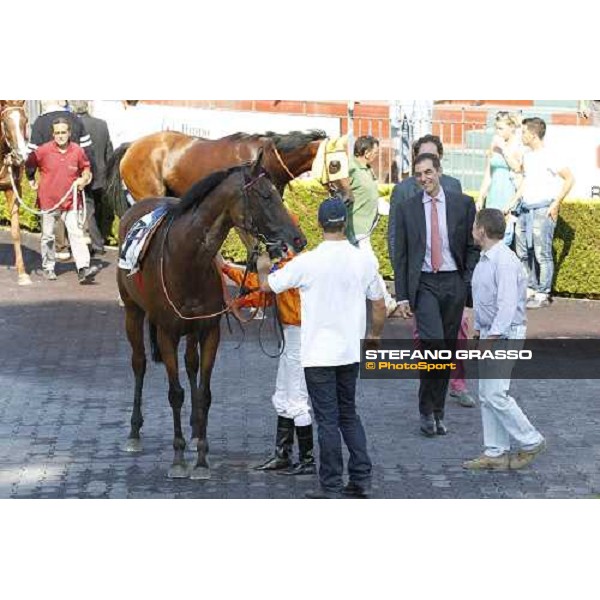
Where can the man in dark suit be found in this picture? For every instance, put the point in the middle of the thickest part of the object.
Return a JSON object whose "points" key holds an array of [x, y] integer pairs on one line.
{"points": [[434, 260], [404, 190], [430, 144], [100, 217]]}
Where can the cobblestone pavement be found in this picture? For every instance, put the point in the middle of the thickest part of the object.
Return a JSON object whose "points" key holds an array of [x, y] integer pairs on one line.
{"points": [[67, 387]]}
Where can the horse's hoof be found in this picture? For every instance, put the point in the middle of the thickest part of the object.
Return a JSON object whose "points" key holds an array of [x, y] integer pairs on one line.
{"points": [[133, 445], [200, 473], [179, 471], [24, 279]]}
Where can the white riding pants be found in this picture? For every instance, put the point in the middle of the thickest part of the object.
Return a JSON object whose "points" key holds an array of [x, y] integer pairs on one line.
{"points": [[291, 396]]}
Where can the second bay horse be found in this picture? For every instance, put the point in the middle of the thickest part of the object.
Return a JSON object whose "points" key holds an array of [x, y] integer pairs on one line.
{"points": [[169, 162], [179, 288]]}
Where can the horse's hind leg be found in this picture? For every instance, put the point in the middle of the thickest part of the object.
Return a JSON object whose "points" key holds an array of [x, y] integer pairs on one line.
{"points": [[134, 325], [15, 232], [168, 348], [209, 345]]}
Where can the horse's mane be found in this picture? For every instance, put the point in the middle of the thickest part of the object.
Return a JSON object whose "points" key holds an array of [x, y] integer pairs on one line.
{"points": [[201, 189], [284, 142]]}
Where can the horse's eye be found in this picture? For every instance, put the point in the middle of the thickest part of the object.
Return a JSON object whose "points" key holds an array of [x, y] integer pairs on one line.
{"points": [[335, 166]]}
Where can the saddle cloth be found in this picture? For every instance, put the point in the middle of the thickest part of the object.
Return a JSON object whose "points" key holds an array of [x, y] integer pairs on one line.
{"points": [[137, 240]]}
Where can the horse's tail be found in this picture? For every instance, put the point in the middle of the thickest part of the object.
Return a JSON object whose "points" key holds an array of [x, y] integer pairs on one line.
{"points": [[154, 348], [115, 195]]}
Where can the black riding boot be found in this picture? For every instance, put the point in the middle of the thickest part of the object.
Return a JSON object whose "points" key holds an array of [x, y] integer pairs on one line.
{"points": [[306, 464], [284, 443]]}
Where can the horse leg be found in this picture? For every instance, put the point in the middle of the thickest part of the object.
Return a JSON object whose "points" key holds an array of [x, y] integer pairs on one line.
{"points": [[168, 349], [209, 346], [134, 325], [15, 232], [192, 365]]}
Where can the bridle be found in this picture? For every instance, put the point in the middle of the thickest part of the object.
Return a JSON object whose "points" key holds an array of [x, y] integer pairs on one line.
{"points": [[247, 226]]}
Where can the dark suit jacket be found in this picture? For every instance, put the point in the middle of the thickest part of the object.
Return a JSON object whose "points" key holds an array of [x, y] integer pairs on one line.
{"points": [[403, 191], [103, 148], [411, 242]]}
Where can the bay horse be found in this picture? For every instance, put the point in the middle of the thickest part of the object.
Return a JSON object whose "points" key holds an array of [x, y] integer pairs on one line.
{"points": [[13, 152], [180, 290], [169, 162]]}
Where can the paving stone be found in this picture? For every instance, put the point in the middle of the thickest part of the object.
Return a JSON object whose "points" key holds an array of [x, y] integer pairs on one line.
{"points": [[68, 388]]}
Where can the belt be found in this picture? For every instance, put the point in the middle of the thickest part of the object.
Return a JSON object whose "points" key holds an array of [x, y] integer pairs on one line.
{"points": [[527, 212]]}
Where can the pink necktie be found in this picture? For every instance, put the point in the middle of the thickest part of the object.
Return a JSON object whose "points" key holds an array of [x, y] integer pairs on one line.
{"points": [[436, 238]]}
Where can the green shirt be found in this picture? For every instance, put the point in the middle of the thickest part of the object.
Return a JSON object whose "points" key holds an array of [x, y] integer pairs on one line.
{"points": [[365, 190]]}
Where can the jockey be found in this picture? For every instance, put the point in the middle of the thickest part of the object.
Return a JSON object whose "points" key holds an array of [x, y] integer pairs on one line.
{"points": [[291, 396]]}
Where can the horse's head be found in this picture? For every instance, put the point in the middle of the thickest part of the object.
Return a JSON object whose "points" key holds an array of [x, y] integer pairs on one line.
{"points": [[13, 129], [331, 167], [260, 212]]}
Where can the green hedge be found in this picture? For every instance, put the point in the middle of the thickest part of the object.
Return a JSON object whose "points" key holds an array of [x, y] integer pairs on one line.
{"points": [[577, 249], [576, 241], [27, 220]]}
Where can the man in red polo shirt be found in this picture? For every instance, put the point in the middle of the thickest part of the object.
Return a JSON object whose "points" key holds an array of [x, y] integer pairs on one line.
{"points": [[62, 164]]}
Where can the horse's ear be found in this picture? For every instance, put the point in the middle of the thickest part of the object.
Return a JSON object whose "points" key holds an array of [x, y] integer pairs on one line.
{"points": [[257, 164]]}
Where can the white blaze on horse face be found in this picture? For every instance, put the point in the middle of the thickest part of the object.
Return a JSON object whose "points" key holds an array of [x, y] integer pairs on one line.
{"points": [[20, 145]]}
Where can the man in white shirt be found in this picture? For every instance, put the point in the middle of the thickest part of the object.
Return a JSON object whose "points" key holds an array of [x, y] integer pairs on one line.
{"points": [[334, 280], [545, 184]]}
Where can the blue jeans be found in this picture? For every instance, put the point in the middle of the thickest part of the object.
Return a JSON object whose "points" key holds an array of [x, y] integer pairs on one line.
{"points": [[543, 232], [332, 392]]}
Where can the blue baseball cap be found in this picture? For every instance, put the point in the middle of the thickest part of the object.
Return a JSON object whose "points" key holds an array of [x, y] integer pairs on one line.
{"points": [[332, 211]]}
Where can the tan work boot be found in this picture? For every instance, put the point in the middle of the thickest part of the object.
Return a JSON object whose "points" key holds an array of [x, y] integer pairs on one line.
{"points": [[487, 463], [524, 457]]}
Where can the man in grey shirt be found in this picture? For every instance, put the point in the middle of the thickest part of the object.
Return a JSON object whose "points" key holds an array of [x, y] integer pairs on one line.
{"points": [[499, 297]]}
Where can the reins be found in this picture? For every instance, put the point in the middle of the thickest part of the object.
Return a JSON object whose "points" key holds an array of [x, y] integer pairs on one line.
{"points": [[280, 160], [231, 304], [166, 292]]}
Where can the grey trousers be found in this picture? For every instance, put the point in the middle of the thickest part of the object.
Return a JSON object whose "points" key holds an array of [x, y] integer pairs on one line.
{"points": [[79, 248]]}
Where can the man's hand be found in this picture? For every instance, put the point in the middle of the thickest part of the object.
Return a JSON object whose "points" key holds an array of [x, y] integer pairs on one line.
{"points": [[488, 343], [372, 342], [81, 182], [553, 210], [33, 184], [404, 309]]}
